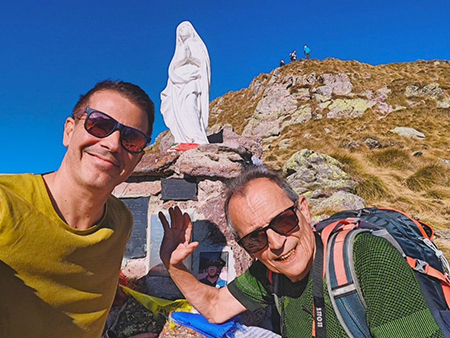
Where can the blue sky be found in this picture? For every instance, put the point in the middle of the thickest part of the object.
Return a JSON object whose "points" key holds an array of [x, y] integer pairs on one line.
{"points": [[52, 51]]}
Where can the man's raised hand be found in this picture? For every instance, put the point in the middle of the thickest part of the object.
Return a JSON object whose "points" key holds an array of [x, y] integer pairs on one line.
{"points": [[176, 245]]}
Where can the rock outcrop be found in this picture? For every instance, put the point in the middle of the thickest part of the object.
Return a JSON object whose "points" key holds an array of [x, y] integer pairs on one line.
{"points": [[296, 99]]}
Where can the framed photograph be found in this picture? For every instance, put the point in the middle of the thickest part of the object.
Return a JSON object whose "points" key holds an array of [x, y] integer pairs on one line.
{"points": [[213, 268]]}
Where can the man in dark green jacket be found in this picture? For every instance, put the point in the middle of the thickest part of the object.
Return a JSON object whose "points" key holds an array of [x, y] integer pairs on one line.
{"points": [[273, 225]]}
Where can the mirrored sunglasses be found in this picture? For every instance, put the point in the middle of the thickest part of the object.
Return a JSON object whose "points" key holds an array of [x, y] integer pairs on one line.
{"points": [[282, 224], [101, 125]]}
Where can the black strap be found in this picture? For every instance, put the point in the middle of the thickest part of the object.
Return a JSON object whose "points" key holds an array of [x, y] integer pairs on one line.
{"points": [[280, 308], [319, 301], [283, 319]]}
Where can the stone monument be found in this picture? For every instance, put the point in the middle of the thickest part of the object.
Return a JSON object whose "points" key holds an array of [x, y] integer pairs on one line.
{"points": [[185, 100]]}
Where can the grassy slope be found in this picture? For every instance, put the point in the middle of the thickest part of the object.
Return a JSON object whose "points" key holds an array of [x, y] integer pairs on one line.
{"points": [[390, 176]]}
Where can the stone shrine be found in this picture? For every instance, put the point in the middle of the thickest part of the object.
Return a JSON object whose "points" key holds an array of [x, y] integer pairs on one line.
{"points": [[193, 180]]}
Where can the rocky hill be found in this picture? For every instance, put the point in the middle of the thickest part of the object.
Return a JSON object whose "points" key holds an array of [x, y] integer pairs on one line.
{"points": [[387, 127]]}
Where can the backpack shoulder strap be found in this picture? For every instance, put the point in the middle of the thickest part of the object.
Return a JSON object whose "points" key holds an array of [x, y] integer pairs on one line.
{"points": [[319, 329], [343, 287]]}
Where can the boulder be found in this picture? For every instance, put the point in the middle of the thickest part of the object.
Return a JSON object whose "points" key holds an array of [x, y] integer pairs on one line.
{"points": [[341, 108], [408, 132], [340, 200], [156, 164], [372, 143], [307, 171], [165, 140], [233, 140], [212, 160], [431, 90], [444, 103], [336, 84]]}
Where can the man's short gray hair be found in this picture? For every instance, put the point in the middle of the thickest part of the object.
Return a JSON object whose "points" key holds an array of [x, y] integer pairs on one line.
{"points": [[238, 185]]}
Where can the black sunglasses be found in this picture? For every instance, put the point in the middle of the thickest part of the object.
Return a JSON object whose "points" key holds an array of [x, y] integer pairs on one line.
{"points": [[101, 125], [282, 224]]}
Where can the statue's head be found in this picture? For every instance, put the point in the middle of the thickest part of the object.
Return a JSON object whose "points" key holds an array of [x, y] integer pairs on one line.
{"points": [[185, 30]]}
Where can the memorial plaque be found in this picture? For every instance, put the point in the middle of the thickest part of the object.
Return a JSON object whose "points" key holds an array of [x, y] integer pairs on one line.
{"points": [[156, 237], [137, 244], [156, 267], [178, 189]]}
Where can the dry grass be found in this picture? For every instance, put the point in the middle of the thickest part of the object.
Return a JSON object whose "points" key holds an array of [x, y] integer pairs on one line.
{"points": [[390, 157], [371, 188], [428, 177]]}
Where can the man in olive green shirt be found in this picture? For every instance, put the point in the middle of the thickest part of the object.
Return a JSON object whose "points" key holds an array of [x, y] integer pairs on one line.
{"points": [[62, 234]]}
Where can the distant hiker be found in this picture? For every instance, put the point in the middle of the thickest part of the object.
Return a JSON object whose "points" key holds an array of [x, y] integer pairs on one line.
{"points": [[273, 224], [306, 51], [281, 63], [293, 55]]}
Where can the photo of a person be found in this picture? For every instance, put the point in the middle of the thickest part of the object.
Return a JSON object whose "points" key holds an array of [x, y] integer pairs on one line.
{"points": [[212, 271]]}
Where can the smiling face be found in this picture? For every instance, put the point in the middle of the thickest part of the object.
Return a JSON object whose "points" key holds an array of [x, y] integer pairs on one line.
{"points": [[212, 271], [102, 163], [292, 254]]}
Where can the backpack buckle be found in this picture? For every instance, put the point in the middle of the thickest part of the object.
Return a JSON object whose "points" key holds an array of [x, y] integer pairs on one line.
{"points": [[420, 266], [349, 223]]}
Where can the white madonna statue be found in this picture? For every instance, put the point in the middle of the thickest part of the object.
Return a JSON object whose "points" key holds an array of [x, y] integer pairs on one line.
{"points": [[185, 100]]}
